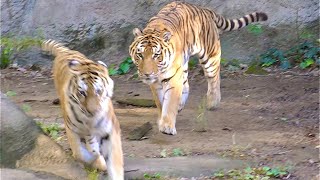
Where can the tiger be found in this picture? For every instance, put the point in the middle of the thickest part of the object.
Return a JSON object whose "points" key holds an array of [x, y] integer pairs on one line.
{"points": [[85, 88], [161, 52]]}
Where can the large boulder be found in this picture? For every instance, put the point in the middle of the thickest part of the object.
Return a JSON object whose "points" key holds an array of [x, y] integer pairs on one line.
{"points": [[24, 146], [102, 29]]}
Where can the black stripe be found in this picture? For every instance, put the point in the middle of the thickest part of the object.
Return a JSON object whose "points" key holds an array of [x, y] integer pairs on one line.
{"points": [[105, 138], [70, 122], [227, 25], [231, 24], [201, 57], [75, 114], [168, 79], [73, 99], [94, 73], [204, 62], [167, 90], [252, 17], [240, 23], [185, 81], [246, 20]]}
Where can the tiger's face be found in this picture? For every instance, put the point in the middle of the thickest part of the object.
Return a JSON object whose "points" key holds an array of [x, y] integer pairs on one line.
{"points": [[93, 87], [148, 52]]}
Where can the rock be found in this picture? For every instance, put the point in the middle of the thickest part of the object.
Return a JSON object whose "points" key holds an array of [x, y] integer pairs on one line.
{"points": [[15, 174], [25, 146], [139, 132], [137, 102], [185, 166], [103, 29]]}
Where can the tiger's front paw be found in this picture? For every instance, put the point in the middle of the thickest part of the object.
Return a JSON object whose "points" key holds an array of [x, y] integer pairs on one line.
{"points": [[167, 128], [213, 101]]}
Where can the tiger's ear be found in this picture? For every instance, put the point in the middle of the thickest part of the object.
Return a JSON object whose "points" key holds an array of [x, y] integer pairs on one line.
{"points": [[137, 32], [166, 36], [73, 64], [103, 64]]}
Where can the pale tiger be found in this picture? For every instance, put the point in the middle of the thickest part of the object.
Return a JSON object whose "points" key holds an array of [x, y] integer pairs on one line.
{"points": [[85, 90]]}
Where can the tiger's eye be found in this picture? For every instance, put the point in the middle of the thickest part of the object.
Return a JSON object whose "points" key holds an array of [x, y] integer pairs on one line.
{"points": [[82, 93]]}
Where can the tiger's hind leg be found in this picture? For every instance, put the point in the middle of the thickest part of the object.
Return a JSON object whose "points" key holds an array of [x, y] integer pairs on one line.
{"points": [[211, 68], [111, 150], [185, 90]]}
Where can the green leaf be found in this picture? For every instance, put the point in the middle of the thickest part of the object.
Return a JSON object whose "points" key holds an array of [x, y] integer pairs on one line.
{"points": [[112, 70], [11, 93], [177, 152], [255, 29], [219, 174], [285, 64], [248, 170], [266, 168], [306, 63], [124, 68]]}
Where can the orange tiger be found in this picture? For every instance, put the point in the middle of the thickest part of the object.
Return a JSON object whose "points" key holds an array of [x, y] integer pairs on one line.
{"points": [[162, 50], [85, 90]]}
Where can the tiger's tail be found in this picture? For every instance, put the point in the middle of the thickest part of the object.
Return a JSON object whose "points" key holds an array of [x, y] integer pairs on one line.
{"points": [[52, 47], [234, 24]]}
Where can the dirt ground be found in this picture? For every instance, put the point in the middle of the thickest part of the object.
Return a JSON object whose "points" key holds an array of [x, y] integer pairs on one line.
{"points": [[267, 120]]}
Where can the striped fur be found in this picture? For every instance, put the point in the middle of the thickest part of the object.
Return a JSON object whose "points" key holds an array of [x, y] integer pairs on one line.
{"points": [[162, 51], [85, 90]]}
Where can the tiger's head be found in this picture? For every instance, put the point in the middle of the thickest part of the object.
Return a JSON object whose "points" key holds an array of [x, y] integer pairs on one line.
{"points": [[91, 87], [150, 52]]}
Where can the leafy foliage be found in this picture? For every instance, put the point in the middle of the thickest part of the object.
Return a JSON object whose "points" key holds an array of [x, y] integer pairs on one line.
{"points": [[11, 45], [255, 29], [124, 67], [153, 176], [177, 152], [192, 63], [11, 93], [51, 130], [92, 173], [249, 173], [305, 55]]}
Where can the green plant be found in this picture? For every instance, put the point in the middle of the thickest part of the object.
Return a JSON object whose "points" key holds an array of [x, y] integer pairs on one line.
{"points": [[192, 63], [177, 152], [256, 173], [11, 45], [92, 173], [11, 93], [255, 29], [153, 176], [26, 107], [124, 67], [305, 55], [51, 130]]}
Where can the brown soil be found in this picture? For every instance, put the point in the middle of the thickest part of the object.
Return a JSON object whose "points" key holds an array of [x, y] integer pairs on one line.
{"points": [[268, 120]]}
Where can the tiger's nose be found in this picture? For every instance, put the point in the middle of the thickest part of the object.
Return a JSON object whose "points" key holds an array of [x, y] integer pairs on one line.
{"points": [[148, 74]]}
